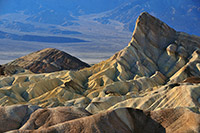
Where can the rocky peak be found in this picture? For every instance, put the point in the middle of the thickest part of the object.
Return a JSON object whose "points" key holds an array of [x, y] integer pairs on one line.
{"points": [[49, 60], [150, 33], [148, 27]]}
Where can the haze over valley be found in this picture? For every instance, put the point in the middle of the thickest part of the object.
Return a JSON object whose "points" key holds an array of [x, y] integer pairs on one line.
{"points": [[92, 31]]}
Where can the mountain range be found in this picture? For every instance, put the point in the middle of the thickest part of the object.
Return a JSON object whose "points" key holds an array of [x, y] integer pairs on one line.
{"points": [[56, 12], [184, 15], [177, 13]]}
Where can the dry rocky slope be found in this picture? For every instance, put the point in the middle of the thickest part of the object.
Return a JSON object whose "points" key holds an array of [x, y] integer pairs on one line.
{"points": [[11, 69], [48, 60], [158, 72]]}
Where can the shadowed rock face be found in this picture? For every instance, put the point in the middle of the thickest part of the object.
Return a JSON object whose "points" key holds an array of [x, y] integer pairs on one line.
{"points": [[177, 120], [44, 118], [192, 80], [13, 117], [123, 120], [48, 60], [120, 121], [10, 70]]}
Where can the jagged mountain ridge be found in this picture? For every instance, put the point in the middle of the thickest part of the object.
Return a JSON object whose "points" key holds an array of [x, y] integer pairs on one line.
{"points": [[158, 70], [48, 60]]}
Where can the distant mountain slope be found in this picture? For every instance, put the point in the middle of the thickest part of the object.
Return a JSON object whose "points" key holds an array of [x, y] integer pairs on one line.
{"points": [[53, 11], [48, 60], [184, 15]]}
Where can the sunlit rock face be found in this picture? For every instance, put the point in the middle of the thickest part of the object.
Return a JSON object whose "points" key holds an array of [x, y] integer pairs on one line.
{"points": [[157, 72]]}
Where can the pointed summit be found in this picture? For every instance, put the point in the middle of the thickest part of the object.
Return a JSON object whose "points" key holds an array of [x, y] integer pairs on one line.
{"points": [[49, 60], [150, 30]]}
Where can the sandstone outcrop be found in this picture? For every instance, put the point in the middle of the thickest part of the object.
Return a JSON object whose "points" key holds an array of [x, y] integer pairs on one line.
{"points": [[168, 96], [12, 117], [11, 69], [44, 118], [122, 120], [49, 60], [177, 120], [119, 121]]}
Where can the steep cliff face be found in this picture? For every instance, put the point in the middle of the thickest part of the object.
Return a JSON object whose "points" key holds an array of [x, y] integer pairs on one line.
{"points": [[48, 60], [159, 69]]}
